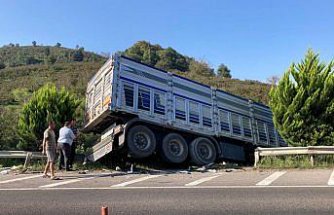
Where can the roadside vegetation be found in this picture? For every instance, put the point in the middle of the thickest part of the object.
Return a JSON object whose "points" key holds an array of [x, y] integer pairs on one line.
{"points": [[296, 161], [303, 103]]}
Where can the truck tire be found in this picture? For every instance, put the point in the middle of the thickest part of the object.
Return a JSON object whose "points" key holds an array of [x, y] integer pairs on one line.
{"points": [[174, 148], [202, 151], [141, 141]]}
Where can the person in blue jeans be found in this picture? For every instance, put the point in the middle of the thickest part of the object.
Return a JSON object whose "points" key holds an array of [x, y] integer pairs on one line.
{"points": [[65, 140]]}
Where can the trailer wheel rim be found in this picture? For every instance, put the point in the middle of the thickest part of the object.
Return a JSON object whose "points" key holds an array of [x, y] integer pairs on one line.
{"points": [[204, 151], [141, 140], [175, 147]]}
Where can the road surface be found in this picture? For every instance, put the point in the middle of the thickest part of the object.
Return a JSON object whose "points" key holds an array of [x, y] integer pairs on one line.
{"points": [[236, 192]]}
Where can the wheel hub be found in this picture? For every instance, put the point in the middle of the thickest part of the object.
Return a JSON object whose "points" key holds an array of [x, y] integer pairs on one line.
{"points": [[141, 140], [204, 151], [175, 148]]}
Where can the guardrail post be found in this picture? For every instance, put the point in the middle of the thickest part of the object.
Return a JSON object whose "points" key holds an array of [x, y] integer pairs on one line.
{"points": [[312, 160], [27, 161], [256, 157]]}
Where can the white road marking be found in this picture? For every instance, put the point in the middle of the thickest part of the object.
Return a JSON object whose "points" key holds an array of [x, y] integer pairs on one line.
{"points": [[66, 182], [202, 180], [331, 179], [20, 179], [135, 180], [271, 178]]}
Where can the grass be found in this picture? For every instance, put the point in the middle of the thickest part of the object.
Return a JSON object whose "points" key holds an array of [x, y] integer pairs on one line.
{"points": [[296, 161]]}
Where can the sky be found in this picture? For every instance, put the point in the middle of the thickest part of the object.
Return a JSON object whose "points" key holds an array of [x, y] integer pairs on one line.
{"points": [[255, 39]]}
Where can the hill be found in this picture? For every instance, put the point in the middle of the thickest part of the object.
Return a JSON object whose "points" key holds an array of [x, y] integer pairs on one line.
{"points": [[13, 56]]}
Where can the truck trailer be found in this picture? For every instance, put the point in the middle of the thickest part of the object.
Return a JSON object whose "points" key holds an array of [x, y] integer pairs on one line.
{"points": [[143, 110]]}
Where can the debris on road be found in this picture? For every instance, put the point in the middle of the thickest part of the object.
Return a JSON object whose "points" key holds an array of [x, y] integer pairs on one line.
{"points": [[5, 172]]}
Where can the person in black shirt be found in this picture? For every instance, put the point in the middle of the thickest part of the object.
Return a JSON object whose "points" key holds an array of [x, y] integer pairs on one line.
{"points": [[74, 143]]}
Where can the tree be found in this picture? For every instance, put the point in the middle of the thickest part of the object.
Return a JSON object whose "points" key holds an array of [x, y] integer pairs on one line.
{"points": [[144, 52], [8, 131], [34, 43], [78, 55], [223, 71], [303, 103], [47, 103], [200, 68], [58, 45]]}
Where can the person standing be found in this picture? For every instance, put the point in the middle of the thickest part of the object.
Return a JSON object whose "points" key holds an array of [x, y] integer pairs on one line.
{"points": [[49, 148], [74, 143], [65, 140]]}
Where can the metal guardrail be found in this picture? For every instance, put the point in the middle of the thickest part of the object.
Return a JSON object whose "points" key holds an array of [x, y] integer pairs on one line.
{"points": [[22, 154], [281, 151]]}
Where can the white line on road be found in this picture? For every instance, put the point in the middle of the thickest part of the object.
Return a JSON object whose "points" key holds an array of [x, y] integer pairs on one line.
{"points": [[202, 180], [135, 180], [271, 178], [331, 179], [66, 182], [20, 179]]}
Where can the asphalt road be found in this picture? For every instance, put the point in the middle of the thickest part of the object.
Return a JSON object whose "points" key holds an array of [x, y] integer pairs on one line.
{"points": [[171, 201]]}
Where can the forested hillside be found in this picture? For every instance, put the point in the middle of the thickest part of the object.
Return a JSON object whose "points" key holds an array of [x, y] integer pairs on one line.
{"points": [[24, 69]]}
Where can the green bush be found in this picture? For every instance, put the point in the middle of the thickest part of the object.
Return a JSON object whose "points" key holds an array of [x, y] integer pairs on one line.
{"points": [[303, 103], [47, 103]]}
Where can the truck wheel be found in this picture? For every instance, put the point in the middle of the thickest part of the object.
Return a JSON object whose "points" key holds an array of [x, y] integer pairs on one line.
{"points": [[202, 151], [174, 148], [140, 141]]}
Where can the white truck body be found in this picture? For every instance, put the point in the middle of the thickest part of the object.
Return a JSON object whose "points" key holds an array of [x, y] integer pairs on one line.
{"points": [[123, 86]]}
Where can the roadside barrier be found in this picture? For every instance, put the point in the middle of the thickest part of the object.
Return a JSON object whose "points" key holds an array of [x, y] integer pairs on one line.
{"points": [[22, 154], [283, 151]]}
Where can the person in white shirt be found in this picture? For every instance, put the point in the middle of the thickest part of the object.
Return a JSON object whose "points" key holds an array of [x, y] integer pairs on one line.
{"points": [[66, 137]]}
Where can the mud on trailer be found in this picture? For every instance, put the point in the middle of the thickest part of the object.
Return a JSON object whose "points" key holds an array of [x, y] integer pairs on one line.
{"points": [[144, 110]]}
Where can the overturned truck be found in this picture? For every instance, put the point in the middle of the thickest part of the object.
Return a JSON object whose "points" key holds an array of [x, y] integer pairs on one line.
{"points": [[144, 110]]}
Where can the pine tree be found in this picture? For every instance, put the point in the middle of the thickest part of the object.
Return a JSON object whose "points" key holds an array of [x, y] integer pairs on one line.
{"points": [[303, 103], [224, 71], [47, 103]]}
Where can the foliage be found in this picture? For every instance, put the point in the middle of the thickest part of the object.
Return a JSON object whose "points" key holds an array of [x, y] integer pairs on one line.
{"points": [[224, 71], [303, 103], [154, 55], [13, 56], [8, 131], [78, 55], [200, 69], [296, 161], [47, 103], [2, 65]]}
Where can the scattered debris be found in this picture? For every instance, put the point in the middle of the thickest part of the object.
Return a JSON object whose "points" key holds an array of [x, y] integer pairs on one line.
{"points": [[5, 172], [205, 167], [83, 172], [184, 172]]}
